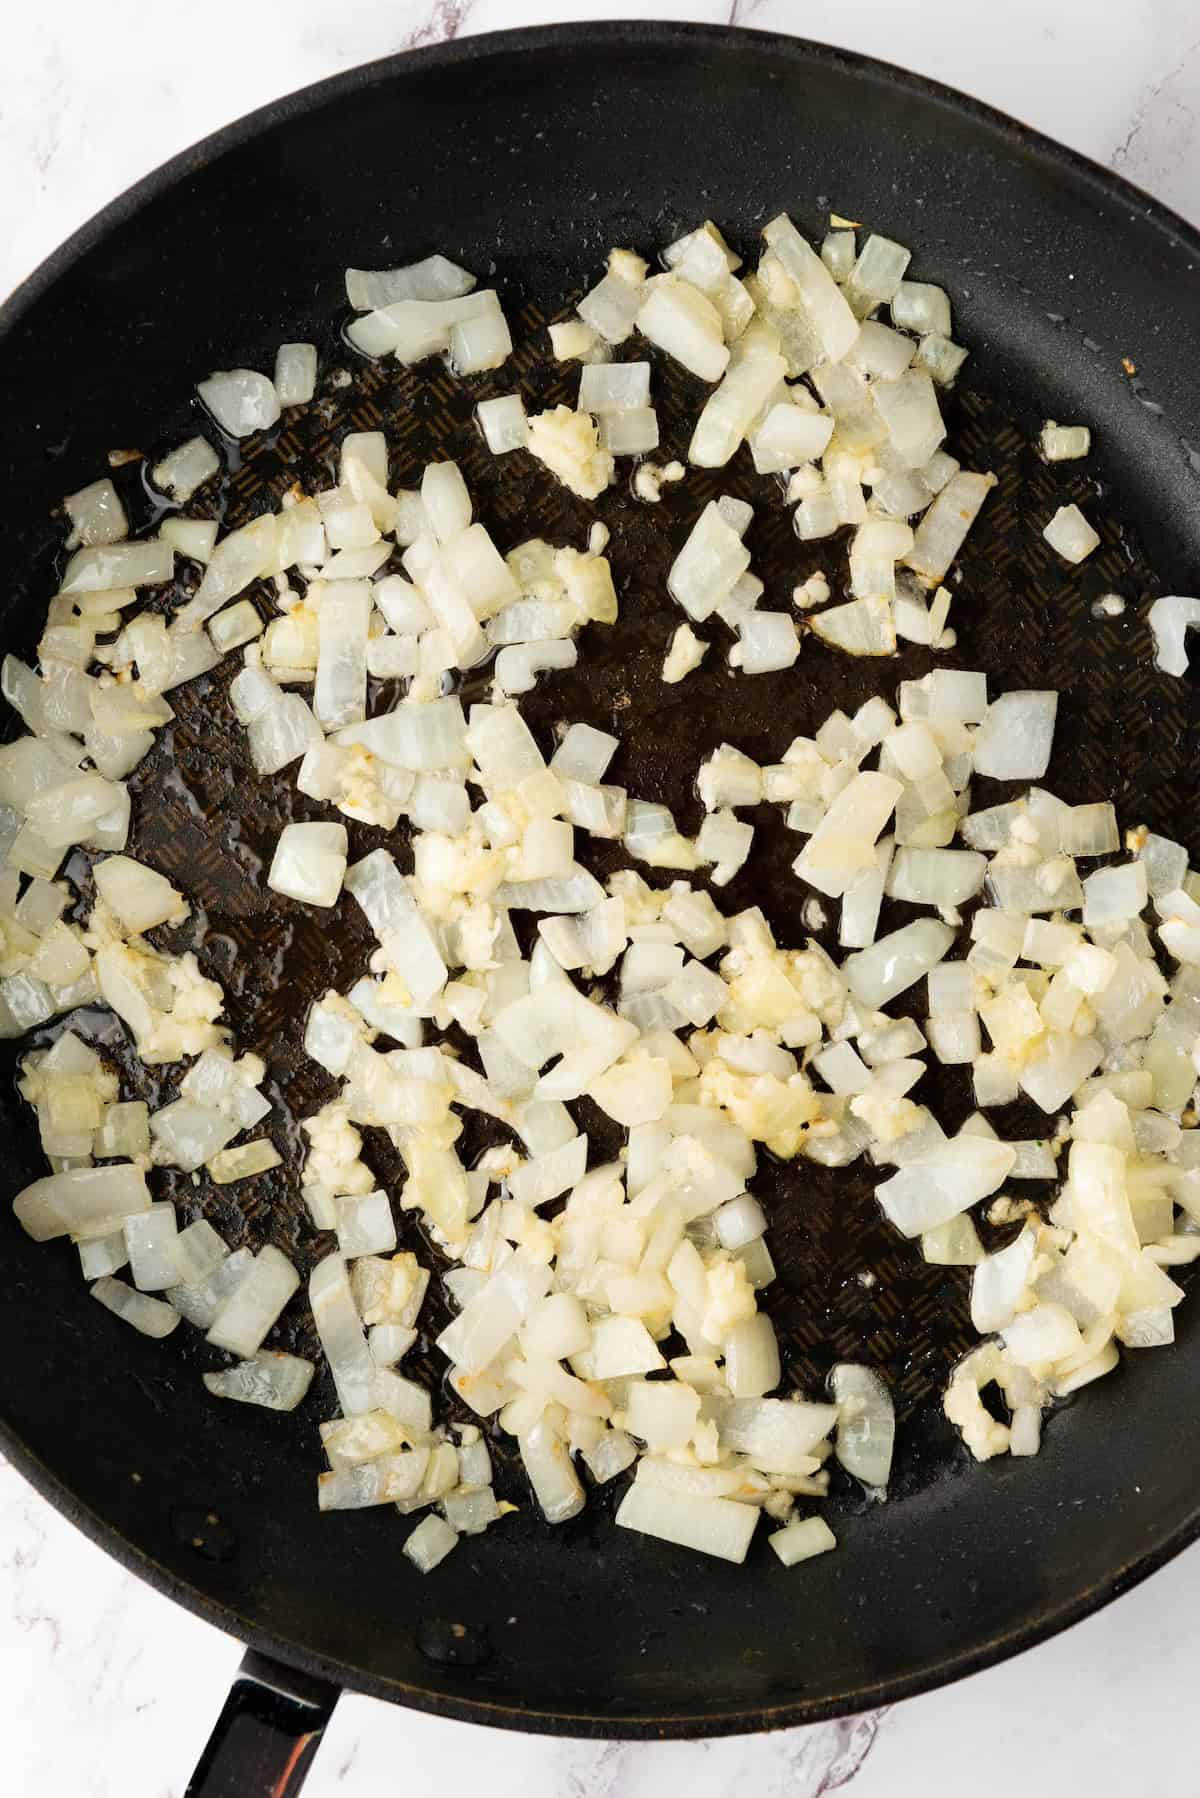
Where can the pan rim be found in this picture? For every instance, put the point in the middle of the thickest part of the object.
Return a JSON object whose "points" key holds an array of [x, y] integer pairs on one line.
{"points": [[599, 36], [531, 38]]}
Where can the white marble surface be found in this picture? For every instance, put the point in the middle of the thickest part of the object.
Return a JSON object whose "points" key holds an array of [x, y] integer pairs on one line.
{"points": [[109, 1688]]}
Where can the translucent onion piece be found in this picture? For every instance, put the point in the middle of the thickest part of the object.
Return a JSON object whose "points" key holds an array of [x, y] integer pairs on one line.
{"points": [[554, 1482], [61, 1203], [242, 1162], [119, 566], [504, 424], [245, 555], [1070, 534], [767, 641], [909, 408], [683, 321], [340, 690], [935, 1187], [919, 307], [273, 1380], [1170, 618], [862, 627], [150, 1316], [777, 1435], [96, 514], [999, 1281], [240, 400], [943, 530], [866, 1429], [295, 378], [714, 1526], [310, 863], [749, 383], [893, 964], [254, 1306], [139, 897], [802, 1539], [150, 1239], [826, 307], [1016, 737], [843, 845], [430, 1543], [200, 1303], [435, 278], [614, 387]]}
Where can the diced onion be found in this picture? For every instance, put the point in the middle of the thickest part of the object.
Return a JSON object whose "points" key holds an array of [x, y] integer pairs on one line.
{"points": [[801, 1540], [240, 400], [1070, 534], [1170, 619], [275, 1381], [149, 1316], [605, 1312], [295, 373]]}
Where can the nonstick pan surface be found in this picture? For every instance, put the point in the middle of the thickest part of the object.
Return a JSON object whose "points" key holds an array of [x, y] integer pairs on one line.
{"points": [[525, 156]]}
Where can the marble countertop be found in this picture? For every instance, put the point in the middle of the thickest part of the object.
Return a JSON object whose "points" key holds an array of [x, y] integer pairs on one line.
{"points": [[111, 1689]]}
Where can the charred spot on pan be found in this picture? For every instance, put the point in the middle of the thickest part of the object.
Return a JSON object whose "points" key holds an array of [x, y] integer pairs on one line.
{"points": [[451, 1644], [203, 1529]]}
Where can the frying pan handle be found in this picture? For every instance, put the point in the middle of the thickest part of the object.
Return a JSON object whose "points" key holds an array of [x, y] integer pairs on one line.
{"points": [[263, 1743]]}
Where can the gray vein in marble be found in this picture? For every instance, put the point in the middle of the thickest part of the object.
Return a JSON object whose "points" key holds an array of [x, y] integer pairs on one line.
{"points": [[446, 20], [742, 11], [797, 1763], [855, 1738], [1153, 92], [1164, 123], [603, 1772], [41, 111]]}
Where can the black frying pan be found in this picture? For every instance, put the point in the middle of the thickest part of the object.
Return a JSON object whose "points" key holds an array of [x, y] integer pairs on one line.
{"points": [[533, 152]]}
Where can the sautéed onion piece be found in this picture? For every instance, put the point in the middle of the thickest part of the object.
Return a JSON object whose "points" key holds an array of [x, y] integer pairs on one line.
{"points": [[606, 1315]]}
